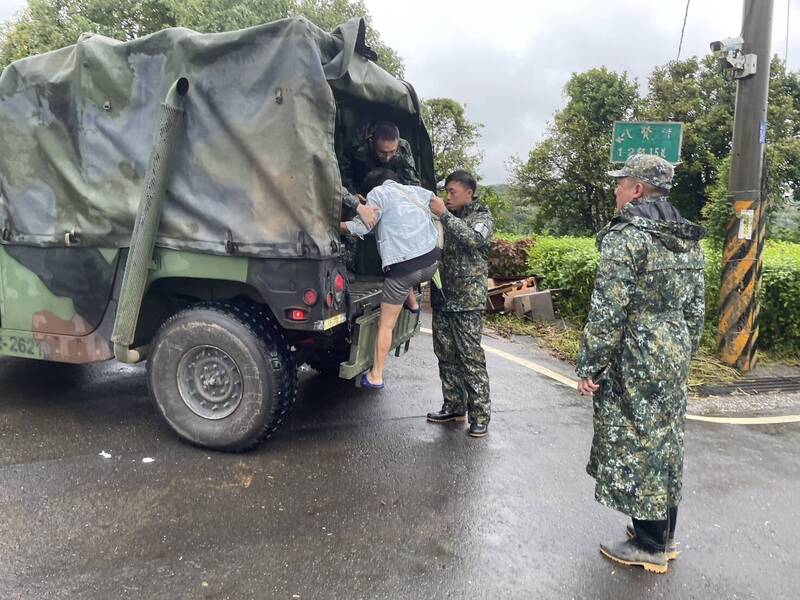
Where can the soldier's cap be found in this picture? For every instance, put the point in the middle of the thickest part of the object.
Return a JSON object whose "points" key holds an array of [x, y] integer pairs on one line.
{"points": [[648, 168]]}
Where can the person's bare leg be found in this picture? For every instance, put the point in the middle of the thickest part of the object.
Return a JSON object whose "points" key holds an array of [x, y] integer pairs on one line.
{"points": [[411, 301], [389, 314]]}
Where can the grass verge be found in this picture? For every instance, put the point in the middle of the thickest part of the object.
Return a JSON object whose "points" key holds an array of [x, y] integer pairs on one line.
{"points": [[562, 339]]}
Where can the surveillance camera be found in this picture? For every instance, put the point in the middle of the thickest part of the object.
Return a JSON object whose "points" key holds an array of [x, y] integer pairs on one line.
{"points": [[731, 44], [729, 53]]}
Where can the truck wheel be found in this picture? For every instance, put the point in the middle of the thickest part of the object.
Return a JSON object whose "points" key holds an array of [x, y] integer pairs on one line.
{"points": [[221, 375]]}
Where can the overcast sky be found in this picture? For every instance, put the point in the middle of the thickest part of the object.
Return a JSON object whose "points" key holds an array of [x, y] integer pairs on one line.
{"points": [[508, 60]]}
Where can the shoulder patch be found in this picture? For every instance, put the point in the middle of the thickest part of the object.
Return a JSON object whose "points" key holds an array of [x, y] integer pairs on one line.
{"points": [[483, 230]]}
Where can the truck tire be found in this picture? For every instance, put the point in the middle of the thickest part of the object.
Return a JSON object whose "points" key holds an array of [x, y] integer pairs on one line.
{"points": [[222, 376]]}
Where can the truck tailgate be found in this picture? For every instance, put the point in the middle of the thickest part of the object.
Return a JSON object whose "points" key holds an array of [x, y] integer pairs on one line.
{"points": [[365, 330], [365, 294]]}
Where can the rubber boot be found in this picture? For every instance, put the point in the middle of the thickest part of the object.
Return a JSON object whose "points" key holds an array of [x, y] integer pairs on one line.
{"points": [[630, 553]]}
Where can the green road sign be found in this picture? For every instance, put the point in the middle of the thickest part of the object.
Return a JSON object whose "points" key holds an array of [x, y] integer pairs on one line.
{"points": [[647, 137]]}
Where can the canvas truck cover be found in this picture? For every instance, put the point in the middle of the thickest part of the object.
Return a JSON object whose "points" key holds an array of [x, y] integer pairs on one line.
{"points": [[254, 161]]}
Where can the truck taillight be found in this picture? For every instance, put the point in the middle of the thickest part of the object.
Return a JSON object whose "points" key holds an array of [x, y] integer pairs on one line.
{"points": [[338, 283], [310, 297], [329, 300], [297, 314]]}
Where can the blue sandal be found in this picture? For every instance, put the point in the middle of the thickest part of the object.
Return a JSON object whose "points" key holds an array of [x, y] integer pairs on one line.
{"points": [[365, 383]]}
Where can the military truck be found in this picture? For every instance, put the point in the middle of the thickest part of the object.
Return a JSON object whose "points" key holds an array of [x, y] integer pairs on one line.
{"points": [[176, 199]]}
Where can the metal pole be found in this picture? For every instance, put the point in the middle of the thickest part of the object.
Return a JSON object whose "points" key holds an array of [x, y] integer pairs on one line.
{"points": [[786, 50], [145, 229], [741, 273]]}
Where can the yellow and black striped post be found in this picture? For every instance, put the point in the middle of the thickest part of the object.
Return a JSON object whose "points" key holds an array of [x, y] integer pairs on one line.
{"points": [[741, 279], [737, 331]]}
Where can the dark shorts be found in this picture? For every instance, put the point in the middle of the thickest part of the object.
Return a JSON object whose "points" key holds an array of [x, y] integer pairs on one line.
{"points": [[396, 289]]}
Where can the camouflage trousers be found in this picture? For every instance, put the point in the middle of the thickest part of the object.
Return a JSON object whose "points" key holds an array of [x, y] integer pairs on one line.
{"points": [[462, 363]]}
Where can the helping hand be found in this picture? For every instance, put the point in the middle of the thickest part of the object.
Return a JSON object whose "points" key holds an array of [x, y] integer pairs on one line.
{"points": [[367, 215], [437, 206]]}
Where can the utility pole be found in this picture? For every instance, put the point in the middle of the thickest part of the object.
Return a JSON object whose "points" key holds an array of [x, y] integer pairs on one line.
{"points": [[741, 272]]}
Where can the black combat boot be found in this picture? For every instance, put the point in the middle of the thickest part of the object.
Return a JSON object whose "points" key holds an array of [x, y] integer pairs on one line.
{"points": [[445, 416], [478, 429]]}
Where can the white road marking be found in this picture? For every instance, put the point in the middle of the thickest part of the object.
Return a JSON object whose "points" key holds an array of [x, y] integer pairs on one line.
{"points": [[573, 384]]}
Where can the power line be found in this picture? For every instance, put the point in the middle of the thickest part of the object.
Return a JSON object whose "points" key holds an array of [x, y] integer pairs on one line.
{"points": [[680, 44]]}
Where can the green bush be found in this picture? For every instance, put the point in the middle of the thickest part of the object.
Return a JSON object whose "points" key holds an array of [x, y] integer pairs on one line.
{"points": [[568, 262], [508, 257], [779, 297], [713, 275], [779, 325]]}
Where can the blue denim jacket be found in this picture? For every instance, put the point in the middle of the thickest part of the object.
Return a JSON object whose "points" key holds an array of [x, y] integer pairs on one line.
{"points": [[404, 230]]}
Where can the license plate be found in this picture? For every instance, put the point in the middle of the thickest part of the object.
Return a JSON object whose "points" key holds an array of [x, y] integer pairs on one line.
{"points": [[333, 321], [19, 345]]}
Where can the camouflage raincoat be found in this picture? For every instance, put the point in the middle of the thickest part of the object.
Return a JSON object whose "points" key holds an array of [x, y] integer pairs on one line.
{"points": [[645, 321]]}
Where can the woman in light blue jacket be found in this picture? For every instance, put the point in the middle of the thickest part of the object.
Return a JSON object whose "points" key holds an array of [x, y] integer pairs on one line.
{"points": [[407, 243]]}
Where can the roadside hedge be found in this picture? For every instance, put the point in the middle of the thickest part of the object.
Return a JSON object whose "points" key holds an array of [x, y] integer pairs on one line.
{"points": [[570, 262], [779, 326]]}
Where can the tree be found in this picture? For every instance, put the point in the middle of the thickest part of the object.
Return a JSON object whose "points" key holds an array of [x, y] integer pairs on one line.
{"points": [[564, 173], [497, 204], [46, 25], [783, 153], [453, 136], [564, 176], [50, 24], [718, 208], [695, 92]]}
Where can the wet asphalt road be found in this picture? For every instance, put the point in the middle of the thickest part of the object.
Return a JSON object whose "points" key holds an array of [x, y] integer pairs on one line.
{"points": [[358, 497]]}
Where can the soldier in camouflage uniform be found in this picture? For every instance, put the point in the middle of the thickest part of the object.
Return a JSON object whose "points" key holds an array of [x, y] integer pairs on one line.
{"points": [[644, 324], [458, 305], [375, 146]]}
